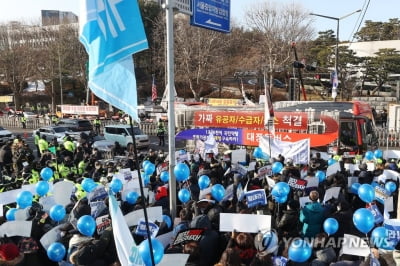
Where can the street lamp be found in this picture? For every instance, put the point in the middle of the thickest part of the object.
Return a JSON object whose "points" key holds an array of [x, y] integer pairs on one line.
{"points": [[337, 40]]}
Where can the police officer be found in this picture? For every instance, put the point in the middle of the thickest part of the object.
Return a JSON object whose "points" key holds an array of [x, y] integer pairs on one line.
{"points": [[23, 121], [97, 124], [54, 119], [43, 145], [161, 132]]}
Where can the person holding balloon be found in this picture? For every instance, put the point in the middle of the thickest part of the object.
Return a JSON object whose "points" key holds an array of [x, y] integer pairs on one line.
{"points": [[312, 216]]}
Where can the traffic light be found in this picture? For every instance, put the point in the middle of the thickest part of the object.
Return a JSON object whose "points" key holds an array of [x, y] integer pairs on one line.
{"points": [[297, 64]]}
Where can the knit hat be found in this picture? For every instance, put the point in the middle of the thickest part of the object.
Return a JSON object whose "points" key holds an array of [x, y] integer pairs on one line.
{"points": [[9, 254]]}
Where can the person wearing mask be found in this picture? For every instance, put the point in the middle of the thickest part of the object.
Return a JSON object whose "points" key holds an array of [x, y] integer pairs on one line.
{"points": [[69, 145], [36, 139], [23, 121]]}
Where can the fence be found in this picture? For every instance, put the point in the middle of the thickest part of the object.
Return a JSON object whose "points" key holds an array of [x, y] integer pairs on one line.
{"points": [[15, 122], [386, 137]]}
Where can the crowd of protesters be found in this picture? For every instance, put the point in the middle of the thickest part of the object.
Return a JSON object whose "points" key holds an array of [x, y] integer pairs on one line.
{"points": [[75, 161]]}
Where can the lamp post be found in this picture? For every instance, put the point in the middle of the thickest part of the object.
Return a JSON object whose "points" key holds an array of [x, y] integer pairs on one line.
{"points": [[337, 40]]}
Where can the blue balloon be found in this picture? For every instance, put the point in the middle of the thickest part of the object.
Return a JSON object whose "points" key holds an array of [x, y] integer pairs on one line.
{"points": [[321, 175], [146, 179], [86, 225], [257, 153], [10, 214], [282, 199], [24, 199], [378, 154], [355, 187], [56, 252], [369, 155], [158, 251], [379, 237], [391, 186], [116, 185], [218, 192], [181, 172], [88, 184], [277, 167], [366, 193], [364, 220], [280, 189], [331, 161], [164, 176], [145, 163], [57, 212], [204, 182], [42, 187], [46, 173], [299, 250], [331, 226], [184, 195], [132, 197], [167, 220], [149, 168]]}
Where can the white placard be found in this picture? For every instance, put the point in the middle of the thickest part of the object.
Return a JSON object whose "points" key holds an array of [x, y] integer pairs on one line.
{"points": [[389, 204], [371, 166], [270, 181], [1, 210], [8, 197], [247, 223], [350, 167], [62, 192], [166, 238], [252, 166], [238, 156], [388, 175], [16, 228], [303, 201], [47, 202], [153, 214], [351, 180], [333, 169], [21, 214], [333, 192], [174, 259], [312, 181], [353, 245], [51, 236]]}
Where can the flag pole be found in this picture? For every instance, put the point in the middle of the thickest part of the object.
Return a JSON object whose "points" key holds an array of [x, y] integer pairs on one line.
{"points": [[143, 202], [267, 111]]}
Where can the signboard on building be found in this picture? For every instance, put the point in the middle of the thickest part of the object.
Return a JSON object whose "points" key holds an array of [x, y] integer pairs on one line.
{"points": [[211, 14]]}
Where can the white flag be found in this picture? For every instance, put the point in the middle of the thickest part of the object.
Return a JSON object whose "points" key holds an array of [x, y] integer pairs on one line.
{"points": [[128, 252]]}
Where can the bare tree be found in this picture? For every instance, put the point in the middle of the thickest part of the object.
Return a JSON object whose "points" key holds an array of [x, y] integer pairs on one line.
{"points": [[279, 25], [17, 58]]}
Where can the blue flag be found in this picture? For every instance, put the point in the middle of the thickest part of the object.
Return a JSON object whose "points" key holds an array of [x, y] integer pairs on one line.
{"points": [[111, 31]]}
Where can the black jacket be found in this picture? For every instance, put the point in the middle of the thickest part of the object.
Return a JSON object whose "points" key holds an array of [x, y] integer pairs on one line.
{"points": [[288, 225]]}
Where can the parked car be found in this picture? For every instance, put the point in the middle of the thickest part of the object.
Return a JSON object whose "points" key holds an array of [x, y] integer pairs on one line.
{"points": [[76, 125], [30, 115], [58, 132], [5, 135], [123, 134], [102, 144]]}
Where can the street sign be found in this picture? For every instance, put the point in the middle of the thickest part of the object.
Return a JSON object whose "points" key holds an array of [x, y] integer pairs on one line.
{"points": [[211, 14]]}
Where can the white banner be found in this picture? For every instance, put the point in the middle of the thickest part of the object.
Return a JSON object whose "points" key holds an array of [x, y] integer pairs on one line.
{"points": [[80, 109], [299, 151]]}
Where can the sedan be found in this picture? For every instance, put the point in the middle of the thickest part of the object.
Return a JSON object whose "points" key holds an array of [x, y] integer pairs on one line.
{"points": [[57, 132], [5, 135], [102, 144]]}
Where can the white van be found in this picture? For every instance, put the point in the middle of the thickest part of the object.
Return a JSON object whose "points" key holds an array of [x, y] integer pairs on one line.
{"points": [[123, 134]]}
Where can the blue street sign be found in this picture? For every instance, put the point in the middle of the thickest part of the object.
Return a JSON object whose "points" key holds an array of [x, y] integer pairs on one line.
{"points": [[211, 14]]}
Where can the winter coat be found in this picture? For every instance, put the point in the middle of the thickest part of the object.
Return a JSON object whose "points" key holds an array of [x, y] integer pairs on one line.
{"points": [[288, 224], [312, 216]]}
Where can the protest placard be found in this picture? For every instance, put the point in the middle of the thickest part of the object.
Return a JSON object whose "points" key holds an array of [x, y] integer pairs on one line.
{"points": [[247, 223]]}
